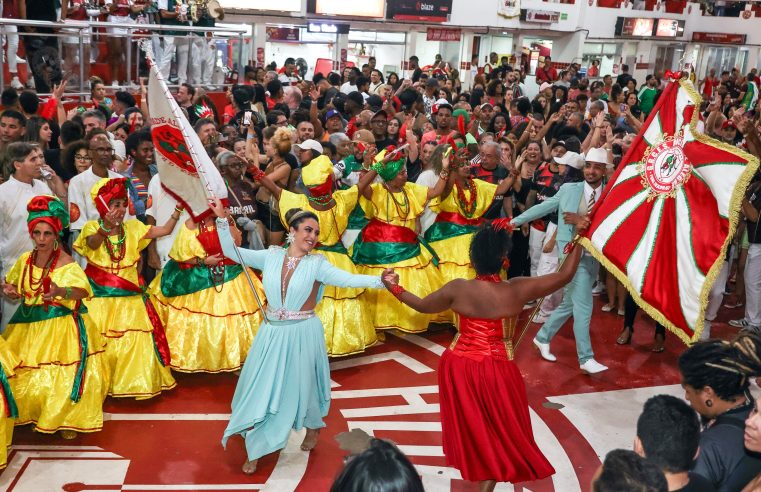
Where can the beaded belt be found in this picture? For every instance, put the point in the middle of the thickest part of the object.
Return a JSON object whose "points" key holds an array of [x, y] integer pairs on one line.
{"points": [[283, 314]]}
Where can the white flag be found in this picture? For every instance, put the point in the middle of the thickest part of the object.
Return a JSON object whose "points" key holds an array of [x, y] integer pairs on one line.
{"points": [[187, 172]]}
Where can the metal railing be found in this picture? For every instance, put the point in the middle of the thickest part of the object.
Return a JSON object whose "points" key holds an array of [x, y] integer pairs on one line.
{"points": [[88, 30]]}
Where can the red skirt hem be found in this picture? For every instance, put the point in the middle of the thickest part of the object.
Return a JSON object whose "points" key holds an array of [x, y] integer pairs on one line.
{"points": [[485, 421]]}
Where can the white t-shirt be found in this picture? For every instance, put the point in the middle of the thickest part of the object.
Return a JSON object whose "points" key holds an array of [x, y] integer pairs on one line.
{"points": [[347, 88], [15, 240], [162, 207], [427, 178]]}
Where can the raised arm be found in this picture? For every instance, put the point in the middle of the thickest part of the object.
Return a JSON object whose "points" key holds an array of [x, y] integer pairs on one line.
{"points": [[436, 302], [531, 288], [445, 182], [329, 274], [248, 257]]}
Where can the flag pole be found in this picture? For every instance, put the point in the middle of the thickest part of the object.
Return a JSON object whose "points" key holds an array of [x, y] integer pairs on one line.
{"points": [[145, 45]]}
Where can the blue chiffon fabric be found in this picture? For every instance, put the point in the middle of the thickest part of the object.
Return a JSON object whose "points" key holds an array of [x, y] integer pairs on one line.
{"points": [[285, 381]]}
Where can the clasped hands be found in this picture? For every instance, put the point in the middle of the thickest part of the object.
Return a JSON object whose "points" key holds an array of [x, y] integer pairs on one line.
{"points": [[389, 278]]}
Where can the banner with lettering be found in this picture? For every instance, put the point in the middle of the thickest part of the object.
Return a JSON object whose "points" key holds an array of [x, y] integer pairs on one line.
{"points": [[185, 169]]}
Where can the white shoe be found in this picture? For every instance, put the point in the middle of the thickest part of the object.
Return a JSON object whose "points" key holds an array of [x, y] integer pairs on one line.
{"points": [[16, 83], [592, 366], [598, 288], [544, 350]]}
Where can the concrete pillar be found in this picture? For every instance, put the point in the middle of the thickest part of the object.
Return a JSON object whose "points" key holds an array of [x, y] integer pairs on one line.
{"points": [[259, 44], [340, 51]]}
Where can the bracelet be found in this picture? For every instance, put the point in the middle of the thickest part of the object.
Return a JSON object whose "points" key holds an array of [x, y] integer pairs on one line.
{"points": [[397, 291], [103, 228], [257, 173], [444, 174], [178, 209], [200, 261], [67, 292], [249, 136]]}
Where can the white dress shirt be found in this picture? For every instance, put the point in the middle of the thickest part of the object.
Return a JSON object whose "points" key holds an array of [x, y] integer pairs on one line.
{"points": [[14, 239]]}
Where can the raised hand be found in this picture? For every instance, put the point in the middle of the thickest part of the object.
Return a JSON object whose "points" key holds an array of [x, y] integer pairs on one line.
{"points": [[217, 207]]}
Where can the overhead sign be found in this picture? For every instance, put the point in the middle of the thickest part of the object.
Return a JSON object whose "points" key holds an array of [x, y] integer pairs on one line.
{"points": [[283, 34], [363, 8], [331, 28], [540, 16], [441, 34], [267, 5], [419, 10], [509, 8], [718, 38]]}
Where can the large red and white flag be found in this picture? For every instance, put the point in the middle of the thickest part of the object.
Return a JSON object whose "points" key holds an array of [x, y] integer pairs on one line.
{"points": [[665, 220], [186, 170]]}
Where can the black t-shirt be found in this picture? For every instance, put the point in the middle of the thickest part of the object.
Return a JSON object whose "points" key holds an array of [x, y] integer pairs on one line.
{"points": [[291, 160], [697, 484], [414, 168], [41, 10], [53, 159], [493, 176], [754, 228]]}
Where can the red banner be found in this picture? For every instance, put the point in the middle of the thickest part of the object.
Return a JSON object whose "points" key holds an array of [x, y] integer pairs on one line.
{"points": [[718, 37], [442, 34]]}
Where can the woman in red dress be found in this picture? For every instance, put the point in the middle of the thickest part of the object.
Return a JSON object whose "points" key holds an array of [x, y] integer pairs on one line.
{"points": [[484, 409]]}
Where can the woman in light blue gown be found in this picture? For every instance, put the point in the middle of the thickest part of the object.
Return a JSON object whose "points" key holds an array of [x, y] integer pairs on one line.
{"points": [[285, 382]]}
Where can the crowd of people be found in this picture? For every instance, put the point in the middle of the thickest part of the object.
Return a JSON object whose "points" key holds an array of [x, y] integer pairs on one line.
{"points": [[398, 182]]}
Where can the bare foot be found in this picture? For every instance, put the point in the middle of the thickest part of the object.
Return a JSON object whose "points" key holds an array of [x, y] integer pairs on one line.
{"points": [[249, 467], [486, 485], [68, 434], [310, 440]]}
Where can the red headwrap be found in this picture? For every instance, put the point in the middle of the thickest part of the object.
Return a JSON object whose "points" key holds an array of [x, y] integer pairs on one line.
{"points": [[47, 209], [113, 189]]}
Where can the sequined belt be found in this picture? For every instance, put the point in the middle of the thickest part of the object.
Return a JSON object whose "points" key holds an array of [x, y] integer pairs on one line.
{"points": [[283, 314]]}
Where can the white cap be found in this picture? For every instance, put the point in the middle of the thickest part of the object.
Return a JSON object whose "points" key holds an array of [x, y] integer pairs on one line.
{"points": [[571, 159], [598, 155], [310, 145], [545, 85]]}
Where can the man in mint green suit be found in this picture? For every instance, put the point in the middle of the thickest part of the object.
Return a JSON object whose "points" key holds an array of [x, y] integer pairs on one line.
{"points": [[572, 202]]}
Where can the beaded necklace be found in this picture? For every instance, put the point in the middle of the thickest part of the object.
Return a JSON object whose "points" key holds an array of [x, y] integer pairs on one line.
{"points": [[216, 272], [494, 277], [403, 209], [38, 285], [120, 243], [467, 205]]}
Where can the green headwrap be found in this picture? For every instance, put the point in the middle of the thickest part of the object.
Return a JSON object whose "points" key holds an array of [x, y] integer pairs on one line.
{"points": [[460, 111], [48, 209], [389, 170]]}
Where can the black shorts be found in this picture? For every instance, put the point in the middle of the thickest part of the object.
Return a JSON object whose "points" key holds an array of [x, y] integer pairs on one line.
{"points": [[270, 220]]}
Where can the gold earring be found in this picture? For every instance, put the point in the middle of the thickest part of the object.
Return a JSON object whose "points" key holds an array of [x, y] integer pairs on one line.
{"points": [[55, 244]]}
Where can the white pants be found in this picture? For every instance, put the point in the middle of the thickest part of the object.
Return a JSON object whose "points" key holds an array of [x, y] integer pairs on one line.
{"points": [[715, 298], [548, 263], [753, 286], [535, 245], [11, 47], [203, 54], [181, 46]]}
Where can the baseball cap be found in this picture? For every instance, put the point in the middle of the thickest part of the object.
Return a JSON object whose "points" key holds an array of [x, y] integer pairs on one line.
{"points": [[332, 113], [310, 145], [545, 85], [441, 103], [486, 104], [571, 159]]}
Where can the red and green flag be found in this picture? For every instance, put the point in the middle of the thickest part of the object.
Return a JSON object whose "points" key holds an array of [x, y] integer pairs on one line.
{"points": [[665, 220]]}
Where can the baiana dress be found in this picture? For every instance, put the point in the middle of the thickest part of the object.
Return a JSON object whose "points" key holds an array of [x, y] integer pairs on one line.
{"points": [[458, 217], [136, 349], [348, 328], [210, 314], [8, 407], [63, 377], [485, 423], [285, 382], [390, 240]]}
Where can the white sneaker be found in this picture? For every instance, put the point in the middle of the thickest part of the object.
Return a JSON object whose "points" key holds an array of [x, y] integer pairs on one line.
{"points": [[544, 350], [598, 288], [16, 83], [592, 366]]}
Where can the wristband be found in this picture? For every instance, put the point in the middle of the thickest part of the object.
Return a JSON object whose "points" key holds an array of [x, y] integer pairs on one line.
{"points": [[249, 136], [257, 173], [397, 291], [67, 293], [178, 209]]}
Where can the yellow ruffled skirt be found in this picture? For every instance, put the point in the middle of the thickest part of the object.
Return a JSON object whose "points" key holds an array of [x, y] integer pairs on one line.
{"points": [[42, 386], [454, 263], [418, 275], [136, 371], [348, 327], [210, 330], [9, 363]]}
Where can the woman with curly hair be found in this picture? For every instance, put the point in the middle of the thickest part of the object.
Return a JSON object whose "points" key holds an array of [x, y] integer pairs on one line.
{"points": [[277, 145]]}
